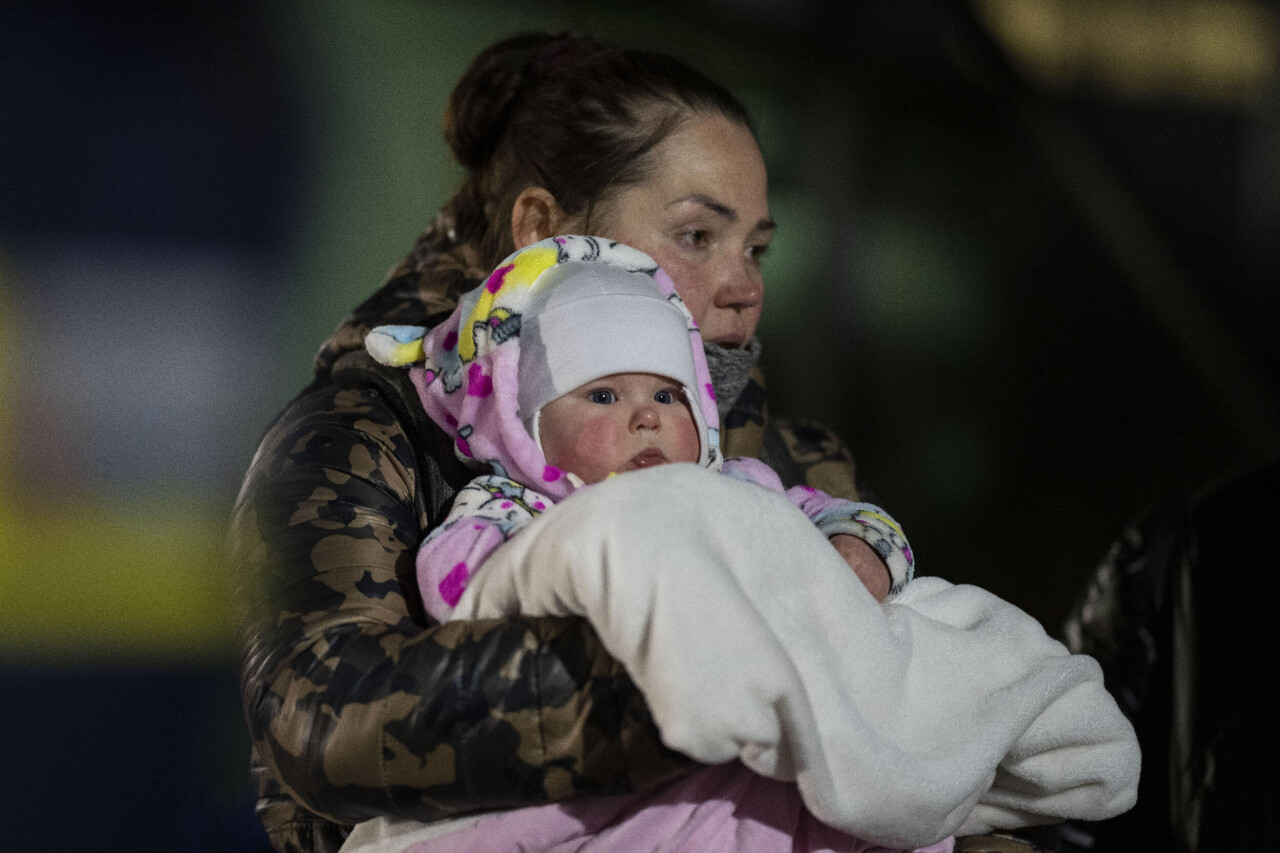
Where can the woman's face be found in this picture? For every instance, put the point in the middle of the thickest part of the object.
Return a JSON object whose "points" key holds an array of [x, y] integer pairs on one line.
{"points": [[703, 215]]}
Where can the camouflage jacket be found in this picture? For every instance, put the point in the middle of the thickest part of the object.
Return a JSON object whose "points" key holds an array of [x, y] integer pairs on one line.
{"points": [[357, 705]]}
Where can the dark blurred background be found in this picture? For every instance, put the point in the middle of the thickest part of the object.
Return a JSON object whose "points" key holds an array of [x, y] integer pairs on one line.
{"points": [[1028, 267]]}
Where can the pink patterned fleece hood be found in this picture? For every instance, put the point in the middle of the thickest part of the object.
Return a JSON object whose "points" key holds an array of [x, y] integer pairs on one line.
{"points": [[560, 313]]}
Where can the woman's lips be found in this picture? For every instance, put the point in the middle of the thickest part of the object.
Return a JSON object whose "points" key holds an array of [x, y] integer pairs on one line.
{"points": [[648, 458], [731, 340]]}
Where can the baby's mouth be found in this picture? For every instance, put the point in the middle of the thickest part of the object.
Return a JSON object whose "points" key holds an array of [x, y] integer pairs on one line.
{"points": [[648, 458]]}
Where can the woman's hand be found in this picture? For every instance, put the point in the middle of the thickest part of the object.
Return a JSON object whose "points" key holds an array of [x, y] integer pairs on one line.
{"points": [[866, 564]]}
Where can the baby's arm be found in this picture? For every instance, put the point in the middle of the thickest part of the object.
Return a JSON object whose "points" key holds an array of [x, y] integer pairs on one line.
{"points": [[870, 541], [837, 518], [486, 513], [866, 564]]}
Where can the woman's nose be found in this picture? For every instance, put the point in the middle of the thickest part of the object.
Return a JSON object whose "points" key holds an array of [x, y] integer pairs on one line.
{"points": [[740, 288]]}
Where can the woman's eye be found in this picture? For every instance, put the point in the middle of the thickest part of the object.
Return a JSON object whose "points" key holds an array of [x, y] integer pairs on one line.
{"points": [[696, 237], [757, 252], [604, 398], [664, 397]]}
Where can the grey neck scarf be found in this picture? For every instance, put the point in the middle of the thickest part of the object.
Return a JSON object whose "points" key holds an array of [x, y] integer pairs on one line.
{"points": [[730, 370]]}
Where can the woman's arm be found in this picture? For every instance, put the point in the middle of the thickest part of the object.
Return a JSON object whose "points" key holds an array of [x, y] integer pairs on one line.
{"points": [[354, 709]]}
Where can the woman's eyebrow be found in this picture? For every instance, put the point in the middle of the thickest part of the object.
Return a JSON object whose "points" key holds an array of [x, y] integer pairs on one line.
{"points": [[721, 209]]}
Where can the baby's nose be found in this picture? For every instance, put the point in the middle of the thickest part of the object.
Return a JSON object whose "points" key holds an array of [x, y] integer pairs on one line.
{"points": [[646, 417]]}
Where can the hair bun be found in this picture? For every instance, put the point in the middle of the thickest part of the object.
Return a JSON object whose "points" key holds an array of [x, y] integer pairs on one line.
{"points": [[481, 105]]}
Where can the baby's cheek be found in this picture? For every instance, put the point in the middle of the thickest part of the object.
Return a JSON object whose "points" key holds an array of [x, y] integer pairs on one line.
{"points": [[596, 437], [690, 447], [594, 448]]}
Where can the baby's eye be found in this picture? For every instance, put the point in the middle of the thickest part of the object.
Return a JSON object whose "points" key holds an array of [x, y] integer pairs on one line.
{"points": [[602, 396], [665, 397]]}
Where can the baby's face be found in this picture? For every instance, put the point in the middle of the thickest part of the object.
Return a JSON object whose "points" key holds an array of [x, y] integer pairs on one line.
{"points": [[619, 423]]}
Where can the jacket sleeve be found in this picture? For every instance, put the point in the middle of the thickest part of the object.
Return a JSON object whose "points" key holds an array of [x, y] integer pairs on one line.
{"points": [[804, 453], [354, 709]]}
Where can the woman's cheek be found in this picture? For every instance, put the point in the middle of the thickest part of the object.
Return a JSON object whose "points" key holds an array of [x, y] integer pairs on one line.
{"points": [[690, 287]]}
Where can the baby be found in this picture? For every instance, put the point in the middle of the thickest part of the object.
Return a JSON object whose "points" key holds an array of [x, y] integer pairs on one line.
{"points": [[576, 361], [573, 363]]}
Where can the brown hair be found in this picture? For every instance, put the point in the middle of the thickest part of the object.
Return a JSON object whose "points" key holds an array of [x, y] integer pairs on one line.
{"points": [[567, 112]]}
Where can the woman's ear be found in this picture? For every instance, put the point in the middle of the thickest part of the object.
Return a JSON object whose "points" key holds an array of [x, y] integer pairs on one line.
{"points": [[535, 216]]}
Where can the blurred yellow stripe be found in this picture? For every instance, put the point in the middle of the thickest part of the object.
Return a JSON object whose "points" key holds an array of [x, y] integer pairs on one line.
{"points": [[143, 581]]}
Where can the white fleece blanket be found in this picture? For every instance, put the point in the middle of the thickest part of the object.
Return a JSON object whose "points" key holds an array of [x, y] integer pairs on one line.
{"points": [[945, 711]]}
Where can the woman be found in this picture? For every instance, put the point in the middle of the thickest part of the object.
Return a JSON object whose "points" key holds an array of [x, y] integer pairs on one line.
{"points": [[359, 707]]}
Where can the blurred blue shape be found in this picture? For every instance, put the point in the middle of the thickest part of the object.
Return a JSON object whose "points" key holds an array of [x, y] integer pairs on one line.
{"points": [[125, 758]]}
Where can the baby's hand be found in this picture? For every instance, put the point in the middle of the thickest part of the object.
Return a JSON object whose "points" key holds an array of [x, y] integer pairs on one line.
{"points": [[866, 564]]}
